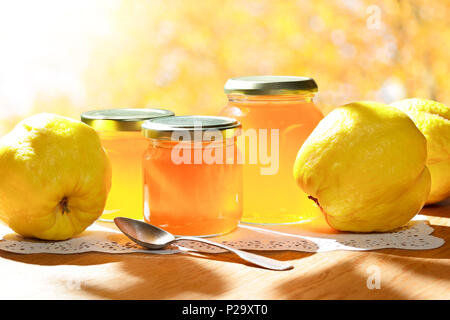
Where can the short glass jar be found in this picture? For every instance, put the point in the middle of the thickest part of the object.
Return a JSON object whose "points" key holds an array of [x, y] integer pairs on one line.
{"points": [[120, 134], [192, 177], [277, 115]]}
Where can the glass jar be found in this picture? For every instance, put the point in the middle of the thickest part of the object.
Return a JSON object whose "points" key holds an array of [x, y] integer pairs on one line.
{"points": [[192, 179], [120, 134], [277, 115]]}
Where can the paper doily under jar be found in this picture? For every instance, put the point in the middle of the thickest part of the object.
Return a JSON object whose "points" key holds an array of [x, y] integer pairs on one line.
{"points": [[416, 235]]}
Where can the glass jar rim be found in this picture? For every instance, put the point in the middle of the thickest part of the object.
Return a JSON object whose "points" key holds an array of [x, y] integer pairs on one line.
{"points": [[194, 128], [270, 85], [122, 119]]}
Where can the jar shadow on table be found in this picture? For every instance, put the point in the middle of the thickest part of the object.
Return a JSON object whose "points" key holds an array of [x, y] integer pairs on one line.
{"points": [[144, 276], [165, 277], [169, 277], [356, 278], [341, 280]]}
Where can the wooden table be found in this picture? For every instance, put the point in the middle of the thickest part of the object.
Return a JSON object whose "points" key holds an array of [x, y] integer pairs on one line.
{"points": [[404, 274]]}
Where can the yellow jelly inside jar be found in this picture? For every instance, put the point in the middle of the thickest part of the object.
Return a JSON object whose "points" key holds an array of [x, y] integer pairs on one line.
{"points": [[277, 114], [192, 176], [120, 133]]}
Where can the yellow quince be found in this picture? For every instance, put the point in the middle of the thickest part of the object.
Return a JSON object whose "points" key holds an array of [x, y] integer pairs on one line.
{"points": [[364, 165], [54, 177], [433, 120]]}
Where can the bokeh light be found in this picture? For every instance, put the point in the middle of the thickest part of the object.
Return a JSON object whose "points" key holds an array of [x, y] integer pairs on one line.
{"points": [[67, 57]]}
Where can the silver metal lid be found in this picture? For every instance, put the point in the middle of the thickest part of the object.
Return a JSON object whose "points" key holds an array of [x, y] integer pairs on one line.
{"points": [[164, 128], [127, 119], [270, 85]]}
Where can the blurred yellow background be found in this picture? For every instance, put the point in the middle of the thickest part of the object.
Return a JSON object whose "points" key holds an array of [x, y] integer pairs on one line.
{"points": [[67, 57]]}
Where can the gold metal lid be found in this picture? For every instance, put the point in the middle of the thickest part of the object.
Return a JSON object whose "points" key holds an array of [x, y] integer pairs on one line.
{"points": [[270, 85], [122, 119], [194, 127]]}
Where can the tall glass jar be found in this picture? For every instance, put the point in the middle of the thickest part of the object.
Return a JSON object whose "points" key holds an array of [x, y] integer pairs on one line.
{"points": [[192, 179], [120, 134], [277, 115]]}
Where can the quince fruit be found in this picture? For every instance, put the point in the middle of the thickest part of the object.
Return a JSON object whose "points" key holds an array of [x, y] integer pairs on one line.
{"points": [[364, 165], [54, 177], [433, 120]]}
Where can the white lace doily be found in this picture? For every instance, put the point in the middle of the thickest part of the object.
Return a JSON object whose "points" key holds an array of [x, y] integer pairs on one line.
{"points": [[104, 237]]}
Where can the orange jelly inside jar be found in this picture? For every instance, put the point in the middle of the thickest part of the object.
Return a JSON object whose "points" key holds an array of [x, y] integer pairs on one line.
{"points": [[277, 114], [192, 179], [120, 134]]}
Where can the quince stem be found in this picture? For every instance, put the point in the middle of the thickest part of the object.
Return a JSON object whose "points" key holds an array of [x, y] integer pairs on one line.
{"points": [[64, 205], [315, 200]]}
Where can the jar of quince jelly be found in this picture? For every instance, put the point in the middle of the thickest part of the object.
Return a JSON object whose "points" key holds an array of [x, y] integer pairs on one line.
{"points": [[277, 115], [120, 134], [192, 179]]}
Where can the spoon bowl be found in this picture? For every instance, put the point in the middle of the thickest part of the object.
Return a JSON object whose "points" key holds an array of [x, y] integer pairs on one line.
{"points": [[147, 235], [152, 237]]}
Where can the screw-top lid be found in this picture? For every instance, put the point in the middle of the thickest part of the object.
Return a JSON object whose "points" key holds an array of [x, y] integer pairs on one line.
{"points": [[195, 127], [122, 119], [270, 85]]}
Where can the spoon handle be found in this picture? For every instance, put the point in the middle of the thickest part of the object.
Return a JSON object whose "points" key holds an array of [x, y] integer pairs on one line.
{"points": [[247, 256]]}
